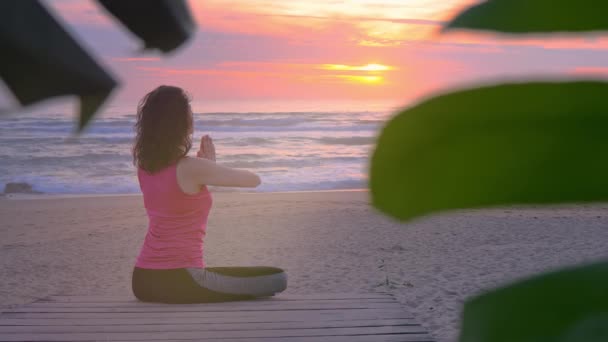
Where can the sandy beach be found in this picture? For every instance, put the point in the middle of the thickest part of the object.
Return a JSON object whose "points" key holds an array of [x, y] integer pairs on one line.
{"points": [[326, 241]]}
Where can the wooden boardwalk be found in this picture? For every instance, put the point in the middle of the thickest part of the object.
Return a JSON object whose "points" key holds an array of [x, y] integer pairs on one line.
{"points": [[293, 318]]}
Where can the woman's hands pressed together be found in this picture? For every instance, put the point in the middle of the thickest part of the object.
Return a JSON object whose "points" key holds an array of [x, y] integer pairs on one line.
{"points": [[205, 171], [206, 149]]}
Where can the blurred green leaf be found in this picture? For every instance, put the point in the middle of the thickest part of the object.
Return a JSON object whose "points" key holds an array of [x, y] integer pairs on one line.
{"points": [[591, 329], [525, 16], [498, 145], [566, 306]]}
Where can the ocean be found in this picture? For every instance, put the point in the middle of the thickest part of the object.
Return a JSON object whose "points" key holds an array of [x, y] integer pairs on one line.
{"points": [[298, 151]]}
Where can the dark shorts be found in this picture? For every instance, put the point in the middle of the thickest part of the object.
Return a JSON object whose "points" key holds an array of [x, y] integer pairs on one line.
{"points": [[207, 285]]}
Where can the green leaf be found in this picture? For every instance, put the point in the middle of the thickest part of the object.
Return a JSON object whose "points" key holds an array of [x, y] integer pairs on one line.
{"points": [[591, 329], [525, 16], [566, 306], [499, 145]]}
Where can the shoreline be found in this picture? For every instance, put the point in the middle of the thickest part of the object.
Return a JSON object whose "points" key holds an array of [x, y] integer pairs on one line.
{"points": [[49, 196], [522, 207]]}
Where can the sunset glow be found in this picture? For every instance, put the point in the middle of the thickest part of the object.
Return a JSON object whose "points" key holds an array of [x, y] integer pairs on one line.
{"points": [[364, 50], [361, 79], [367, 67]]}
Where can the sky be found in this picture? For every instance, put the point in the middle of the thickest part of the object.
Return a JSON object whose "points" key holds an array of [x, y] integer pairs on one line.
{"points": [[271, 55]]}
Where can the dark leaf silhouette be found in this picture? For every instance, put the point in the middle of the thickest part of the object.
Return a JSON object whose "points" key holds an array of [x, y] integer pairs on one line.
{"points": [[142, 17], [41, 60]]}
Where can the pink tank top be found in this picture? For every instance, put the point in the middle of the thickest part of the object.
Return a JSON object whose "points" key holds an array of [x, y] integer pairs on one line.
{"points": [[177, 222]]}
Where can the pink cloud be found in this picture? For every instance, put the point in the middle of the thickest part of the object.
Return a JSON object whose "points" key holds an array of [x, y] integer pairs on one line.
{"points": [[265, 49], [590, 71]]}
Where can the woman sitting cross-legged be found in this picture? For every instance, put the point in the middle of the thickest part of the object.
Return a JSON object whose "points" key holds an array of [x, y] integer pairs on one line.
{"points": [[170, 266]]}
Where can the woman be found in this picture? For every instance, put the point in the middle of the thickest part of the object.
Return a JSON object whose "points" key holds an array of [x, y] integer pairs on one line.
{"points": [[170, 266]]}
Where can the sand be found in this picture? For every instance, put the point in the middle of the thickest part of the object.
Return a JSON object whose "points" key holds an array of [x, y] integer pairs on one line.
{"points": [[327, 242]]}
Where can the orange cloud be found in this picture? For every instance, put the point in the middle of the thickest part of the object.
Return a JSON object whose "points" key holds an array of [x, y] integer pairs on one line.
{"points": [[364, 22], [367, 23]]}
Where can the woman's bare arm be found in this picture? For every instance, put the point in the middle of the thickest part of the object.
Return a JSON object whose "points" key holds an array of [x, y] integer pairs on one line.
{"points": [[206, 172]]}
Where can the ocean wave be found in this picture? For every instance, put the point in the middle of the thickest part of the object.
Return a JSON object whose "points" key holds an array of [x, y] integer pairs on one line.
{"points": [[292, 151], [346, 140], [309, 128], [294, 114], [64, 124], [68, 161], [99, 140], [67, 127], [67, 130], [238, 122], [248, 141], [325, 140], [241, 156], [289, 162], [314, 185]]}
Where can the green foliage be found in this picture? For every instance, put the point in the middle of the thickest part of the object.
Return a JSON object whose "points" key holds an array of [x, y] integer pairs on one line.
{"points": [[525, 16], [510, 144], [507, 144], [565, 306]]}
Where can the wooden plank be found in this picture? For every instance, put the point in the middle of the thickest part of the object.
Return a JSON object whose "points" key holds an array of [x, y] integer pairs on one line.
{"points": [[350, 338], [206, 308], [240, 304], [358, 338], [243, 304], [280, 320], [208, 327], [164, 335], [303, 314], [330, 317], [325, 296], [258, 301]]}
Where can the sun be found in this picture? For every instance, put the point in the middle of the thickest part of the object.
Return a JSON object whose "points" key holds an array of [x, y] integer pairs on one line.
{"points": [[362, 79], [369, 74], [366, 67]]}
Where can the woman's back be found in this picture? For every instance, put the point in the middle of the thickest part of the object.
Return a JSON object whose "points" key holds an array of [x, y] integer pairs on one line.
{"points": [[170, 266], [177, 221]]}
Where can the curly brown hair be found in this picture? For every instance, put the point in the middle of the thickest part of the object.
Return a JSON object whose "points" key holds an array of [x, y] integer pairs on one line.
{"points": [[164, 124]]}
